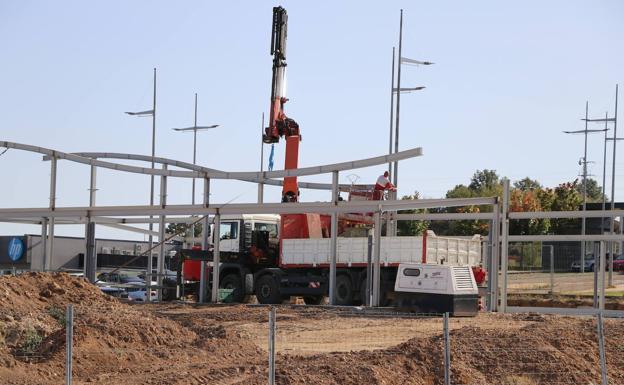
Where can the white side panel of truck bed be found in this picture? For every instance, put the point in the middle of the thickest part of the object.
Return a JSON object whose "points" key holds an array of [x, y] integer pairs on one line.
{"points": [[454, 251], [394, 250]]}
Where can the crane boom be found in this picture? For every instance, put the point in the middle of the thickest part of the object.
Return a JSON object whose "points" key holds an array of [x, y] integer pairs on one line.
{"points": [[279, 124]]}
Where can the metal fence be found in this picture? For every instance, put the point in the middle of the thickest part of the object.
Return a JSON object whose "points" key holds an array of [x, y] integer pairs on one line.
{"points": [[519, 349], [318, 344]]}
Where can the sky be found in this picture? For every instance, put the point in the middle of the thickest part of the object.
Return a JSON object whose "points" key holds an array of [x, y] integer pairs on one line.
{"points": [[508, 78]]}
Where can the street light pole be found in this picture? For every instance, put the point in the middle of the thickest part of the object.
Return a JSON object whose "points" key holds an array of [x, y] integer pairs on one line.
{"points": [[583, 229], [151, 113], [194, 163], [398, 103], [194, 128], [612, 221], [584, 160], [391, 114]]}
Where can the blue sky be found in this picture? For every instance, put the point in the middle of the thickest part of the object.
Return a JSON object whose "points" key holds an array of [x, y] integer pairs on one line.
{"points": [[508, 78]]}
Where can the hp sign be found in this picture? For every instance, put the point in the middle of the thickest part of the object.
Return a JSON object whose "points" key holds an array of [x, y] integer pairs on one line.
{"points": [[16, 249]]}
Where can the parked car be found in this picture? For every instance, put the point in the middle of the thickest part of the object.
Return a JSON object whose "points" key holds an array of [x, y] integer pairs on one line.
{"points": [[618, 263], [139, 295], [169, 274], [589, 264], [120, 279], [114, 291]]}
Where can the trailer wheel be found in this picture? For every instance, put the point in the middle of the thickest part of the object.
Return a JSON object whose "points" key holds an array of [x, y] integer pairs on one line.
{"points": [[344, 290], [267, 290], [233, 281]]}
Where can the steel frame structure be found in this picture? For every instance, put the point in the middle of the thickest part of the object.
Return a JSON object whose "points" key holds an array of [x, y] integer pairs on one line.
{"points": [[123, 216]]}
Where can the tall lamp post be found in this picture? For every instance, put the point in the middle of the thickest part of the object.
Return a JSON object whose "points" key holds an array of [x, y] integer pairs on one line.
{"points": [[606, 120], [151, 113], [399, 90], [584, 163], [194, 130]]}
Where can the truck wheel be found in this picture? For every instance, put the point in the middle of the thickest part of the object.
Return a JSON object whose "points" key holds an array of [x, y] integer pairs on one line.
{"points": [[344, 291], [313, 300], [233, 281], [363, 291], [267, 290]]}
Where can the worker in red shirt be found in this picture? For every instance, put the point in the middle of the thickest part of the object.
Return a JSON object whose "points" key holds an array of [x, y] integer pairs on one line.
{"points": [[383, 183]]}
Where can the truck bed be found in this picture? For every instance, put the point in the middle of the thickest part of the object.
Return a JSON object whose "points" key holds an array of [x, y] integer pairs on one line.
{"points": [[394, 250]]}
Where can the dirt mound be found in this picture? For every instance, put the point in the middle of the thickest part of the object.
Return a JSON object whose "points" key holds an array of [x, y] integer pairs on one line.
{"points": [[549, 350], [109, 336]]}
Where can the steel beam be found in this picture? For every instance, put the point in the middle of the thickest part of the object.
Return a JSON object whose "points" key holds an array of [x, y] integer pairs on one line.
{"points": [[565, 238], [161, 234], [504, 253], [564, 214], [215, 174], [216, 258], [47, 260], [205, 242], [333, 241], [443, 216], [242, 208], [377, 259]]}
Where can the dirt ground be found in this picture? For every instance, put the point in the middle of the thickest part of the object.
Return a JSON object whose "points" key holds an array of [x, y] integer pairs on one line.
{"points": [[184, 344]]}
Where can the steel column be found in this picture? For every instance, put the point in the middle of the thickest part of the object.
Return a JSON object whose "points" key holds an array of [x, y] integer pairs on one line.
{"points": [[69, 343], [161, 235], [494, 274], [377, 258], [504, 245], [601, 275], [216, 258], [205, 242], [44, 240], [50, 250], [333, 241], [90, 262], [615, 139], [272, 332], [601, 349]]}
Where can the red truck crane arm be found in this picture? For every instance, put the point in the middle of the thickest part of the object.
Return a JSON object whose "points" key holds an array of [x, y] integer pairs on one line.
{"points": [[279, 124]]}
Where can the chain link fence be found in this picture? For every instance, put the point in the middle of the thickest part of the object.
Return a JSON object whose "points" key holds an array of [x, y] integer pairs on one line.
{"points": [[322, 344]]}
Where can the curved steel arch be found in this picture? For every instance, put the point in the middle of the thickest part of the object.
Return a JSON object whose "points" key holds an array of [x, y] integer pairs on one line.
{"points": [[216, 174], [202, 169]]}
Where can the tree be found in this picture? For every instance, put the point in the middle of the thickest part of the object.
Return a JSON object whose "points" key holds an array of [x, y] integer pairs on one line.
{"points": [[522, 201], [527, 184], [594, 191], [485, 180], [566, 198], [183, 229], [406, 228]]}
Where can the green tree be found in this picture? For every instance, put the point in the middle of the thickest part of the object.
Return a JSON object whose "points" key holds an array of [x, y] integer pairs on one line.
{"points": [[527, 184], [566, 198], [594, 191], [486, 180], [183, 229], [407, 228]]}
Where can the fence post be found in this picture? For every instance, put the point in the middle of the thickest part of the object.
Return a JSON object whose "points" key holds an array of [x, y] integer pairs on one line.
{"points": [[601, 347], [69, 342], [272, 346], [447, 351]]}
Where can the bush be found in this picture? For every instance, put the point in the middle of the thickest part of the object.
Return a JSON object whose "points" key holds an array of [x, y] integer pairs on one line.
{"points": [[32, 341], [58, 314]]}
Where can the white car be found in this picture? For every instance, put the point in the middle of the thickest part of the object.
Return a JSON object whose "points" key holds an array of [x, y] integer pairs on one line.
{"points": [[140, 295]]}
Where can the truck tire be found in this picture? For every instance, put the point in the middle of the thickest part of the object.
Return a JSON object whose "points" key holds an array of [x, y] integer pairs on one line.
{"points": [[233, 281], [344, 291], [313, 300], [267, 290]]}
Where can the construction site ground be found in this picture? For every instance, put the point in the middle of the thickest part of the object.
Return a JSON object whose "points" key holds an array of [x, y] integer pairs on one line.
{"points": [[176, 343]]}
